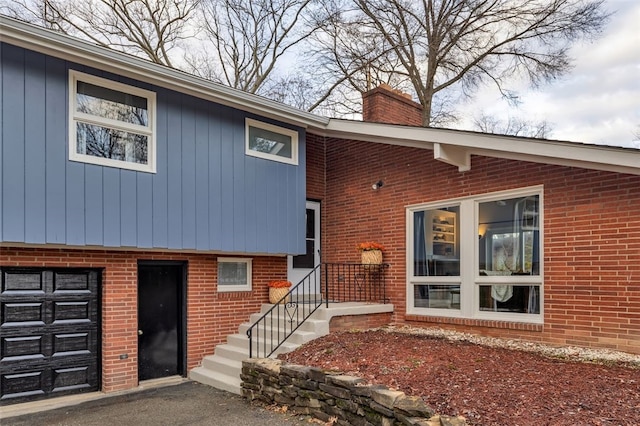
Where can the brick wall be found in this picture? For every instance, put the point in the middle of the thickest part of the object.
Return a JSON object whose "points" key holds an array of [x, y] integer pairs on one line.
{"points": [[211, 316], [591, 235], [315, 167], [386, 105]]}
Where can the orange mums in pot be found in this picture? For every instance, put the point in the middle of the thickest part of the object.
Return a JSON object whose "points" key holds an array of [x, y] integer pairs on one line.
{"points": [[279, 284]]}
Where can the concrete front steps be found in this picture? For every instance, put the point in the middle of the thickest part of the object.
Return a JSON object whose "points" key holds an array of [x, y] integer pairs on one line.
{"points": [[222, 369]]}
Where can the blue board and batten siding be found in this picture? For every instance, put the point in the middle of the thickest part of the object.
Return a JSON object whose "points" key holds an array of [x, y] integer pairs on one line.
{"points": [[206, 194]]}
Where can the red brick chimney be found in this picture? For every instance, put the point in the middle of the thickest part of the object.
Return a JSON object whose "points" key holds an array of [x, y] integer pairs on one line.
{"points": [[386, 105]]}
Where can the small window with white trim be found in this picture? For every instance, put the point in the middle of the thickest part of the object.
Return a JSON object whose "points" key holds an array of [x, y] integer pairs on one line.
{"points": [[111, 124], [234, 274], [271, 142]]}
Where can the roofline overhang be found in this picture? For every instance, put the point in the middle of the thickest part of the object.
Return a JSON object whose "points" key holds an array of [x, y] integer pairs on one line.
{"points": [[456, 146], [69, 48]]}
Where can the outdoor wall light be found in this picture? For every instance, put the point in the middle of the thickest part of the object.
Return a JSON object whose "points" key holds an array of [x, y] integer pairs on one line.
{"points": [[377, 185]]}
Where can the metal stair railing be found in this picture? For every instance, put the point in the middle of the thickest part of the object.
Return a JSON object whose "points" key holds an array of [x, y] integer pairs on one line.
{"points": [[270, 331], [350, 282]]}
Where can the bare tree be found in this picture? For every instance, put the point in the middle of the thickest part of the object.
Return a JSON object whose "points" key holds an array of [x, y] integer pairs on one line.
{"points": [[513, 126], [448, 48], [244, 40], [35, 11], [148, 28]]}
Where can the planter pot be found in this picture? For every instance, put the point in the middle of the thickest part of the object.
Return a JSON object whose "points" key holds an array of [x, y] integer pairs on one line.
{"points": [[371, 257], [275, 294]]}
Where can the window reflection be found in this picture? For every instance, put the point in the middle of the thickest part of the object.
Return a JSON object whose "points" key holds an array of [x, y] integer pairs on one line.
{"points": [[509, 242], [436, 242], [510, 298]]}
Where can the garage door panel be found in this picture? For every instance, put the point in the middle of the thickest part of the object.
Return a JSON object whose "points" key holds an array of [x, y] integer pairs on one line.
{"points": [[73, 378], [78, 283], [24, 384], [67, 344], [22, 348], [20, 314], [75, 312], [20, 281], [50, 340]]}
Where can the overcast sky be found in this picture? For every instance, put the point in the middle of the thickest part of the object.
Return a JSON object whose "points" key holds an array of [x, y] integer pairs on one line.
{"points": [[599, 101]]}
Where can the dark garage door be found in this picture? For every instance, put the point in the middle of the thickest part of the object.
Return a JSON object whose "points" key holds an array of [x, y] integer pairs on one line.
{"points": [[50, 333]]}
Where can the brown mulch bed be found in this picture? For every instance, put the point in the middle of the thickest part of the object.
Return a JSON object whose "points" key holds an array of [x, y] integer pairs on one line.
{"points": [[486, 385]]}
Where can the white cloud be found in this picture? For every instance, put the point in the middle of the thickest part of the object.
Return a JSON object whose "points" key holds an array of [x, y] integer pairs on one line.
{"points": [[599, 101]]}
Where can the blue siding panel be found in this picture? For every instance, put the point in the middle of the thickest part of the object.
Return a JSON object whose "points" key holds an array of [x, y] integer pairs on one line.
{"points": [[226, 181], [272, 206], [35, 179], [75, 203], [160, 208], [215, 177], [111, 203], [144, 210], [128, 206], [240, 217], [206, 194], [56, 151], [13, 154], [249, 201], [94, 208], [261, 198], [174, 174], [202, 176], [188, 176]]}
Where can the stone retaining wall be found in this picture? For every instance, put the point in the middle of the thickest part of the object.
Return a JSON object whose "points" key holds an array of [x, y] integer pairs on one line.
{"points": [[336, 398]]}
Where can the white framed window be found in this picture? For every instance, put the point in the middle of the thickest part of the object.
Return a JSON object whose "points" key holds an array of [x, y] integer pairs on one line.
{"points": [[234, 274], [271, 142], [477, 257], [111, 124]]}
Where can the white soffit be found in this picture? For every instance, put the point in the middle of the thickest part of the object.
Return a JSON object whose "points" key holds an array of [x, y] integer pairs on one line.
{"points": [[456, 146]]}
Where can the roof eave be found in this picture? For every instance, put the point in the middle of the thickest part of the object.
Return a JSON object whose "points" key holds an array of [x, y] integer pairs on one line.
{"points": [[59, 45], [455, 147]]}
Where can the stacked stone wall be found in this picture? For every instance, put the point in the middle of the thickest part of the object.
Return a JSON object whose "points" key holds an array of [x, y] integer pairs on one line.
{"points": [[335, 398]]}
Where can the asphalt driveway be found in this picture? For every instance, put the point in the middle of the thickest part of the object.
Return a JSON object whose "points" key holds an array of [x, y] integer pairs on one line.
{"points": [[187, 403]]}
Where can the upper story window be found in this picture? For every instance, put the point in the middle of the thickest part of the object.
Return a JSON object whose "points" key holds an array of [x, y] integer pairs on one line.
{"points": [[111, 124], [271, 142]]}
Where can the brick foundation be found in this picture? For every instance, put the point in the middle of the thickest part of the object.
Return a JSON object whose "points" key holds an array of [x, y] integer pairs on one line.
{"points": [[211, 316]]}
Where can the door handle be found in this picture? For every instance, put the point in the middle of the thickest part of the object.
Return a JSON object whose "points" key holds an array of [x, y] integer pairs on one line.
{"points": [[139, 332]]}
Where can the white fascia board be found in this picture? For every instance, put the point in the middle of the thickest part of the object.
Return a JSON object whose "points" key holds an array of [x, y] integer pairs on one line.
{"points": [[455, 145], [58, 45]]}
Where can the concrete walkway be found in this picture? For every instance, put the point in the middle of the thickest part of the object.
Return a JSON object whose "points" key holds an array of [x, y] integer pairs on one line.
{"points": [[179, 403]]}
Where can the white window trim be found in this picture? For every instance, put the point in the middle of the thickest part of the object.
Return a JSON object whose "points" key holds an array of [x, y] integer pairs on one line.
{"points": [[470, 279], [249, 122], [75, 116], [230, 288]]}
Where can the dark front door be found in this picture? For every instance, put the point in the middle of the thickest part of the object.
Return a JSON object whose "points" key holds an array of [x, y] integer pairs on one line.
{"points": [[160, 313], [49, 332]]}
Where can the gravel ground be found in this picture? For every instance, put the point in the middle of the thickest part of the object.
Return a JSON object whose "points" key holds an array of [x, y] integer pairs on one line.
{"points": [[573, 353]]}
